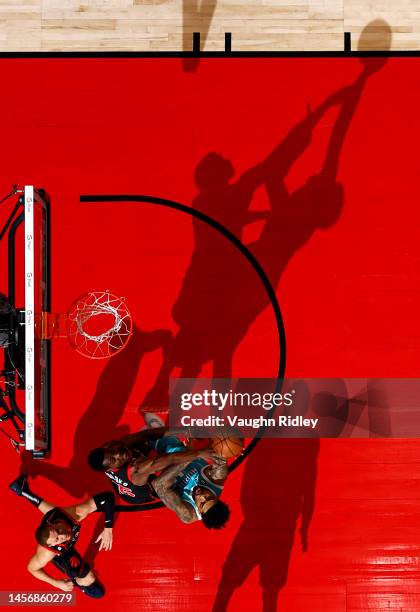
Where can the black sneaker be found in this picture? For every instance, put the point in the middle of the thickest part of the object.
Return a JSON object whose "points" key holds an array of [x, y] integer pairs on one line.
{"points": [[20, 484], [95, 590]]}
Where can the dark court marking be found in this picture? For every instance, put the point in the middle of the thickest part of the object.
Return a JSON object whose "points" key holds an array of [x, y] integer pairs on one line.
{"points": [[196, 43], [347, 42], [260, 272], [65, 55]]}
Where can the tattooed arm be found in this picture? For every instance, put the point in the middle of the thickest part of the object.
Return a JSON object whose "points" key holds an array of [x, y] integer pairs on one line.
{"points": [[163, 487], [218, 471]]}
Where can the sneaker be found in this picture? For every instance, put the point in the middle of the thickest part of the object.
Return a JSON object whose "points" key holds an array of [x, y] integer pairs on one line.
{"points": [[19, 484], [95, 590], [153, 421]]}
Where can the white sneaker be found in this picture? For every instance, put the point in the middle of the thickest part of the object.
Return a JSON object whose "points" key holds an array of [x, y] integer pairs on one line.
{"points": [[152, 420]]}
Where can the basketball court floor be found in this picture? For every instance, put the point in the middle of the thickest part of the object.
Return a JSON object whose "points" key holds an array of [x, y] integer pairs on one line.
{"points": [[325, 149]]}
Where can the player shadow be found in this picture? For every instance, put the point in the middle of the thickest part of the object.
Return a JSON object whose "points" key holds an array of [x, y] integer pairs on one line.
{"points": [[272, 501], [221, 295], [346, 415], [100, 421], [376, 35], [197, 16]]}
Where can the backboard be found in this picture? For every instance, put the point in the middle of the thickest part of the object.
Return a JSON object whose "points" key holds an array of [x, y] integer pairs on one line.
{"points": [[26, 375]]}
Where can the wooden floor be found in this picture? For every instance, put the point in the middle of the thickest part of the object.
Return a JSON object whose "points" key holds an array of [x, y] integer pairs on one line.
{"points": [[162, 25]]}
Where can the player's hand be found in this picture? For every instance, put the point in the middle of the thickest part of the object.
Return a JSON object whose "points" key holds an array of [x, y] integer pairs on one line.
{"points": [[218, 460], [158, 464], [105, 538], [208, 454], [64, 585]]}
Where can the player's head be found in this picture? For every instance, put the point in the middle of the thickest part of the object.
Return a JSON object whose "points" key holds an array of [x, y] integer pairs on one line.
{"points": [[52, 534], [213, 171], [214, 512], [110, 456]]}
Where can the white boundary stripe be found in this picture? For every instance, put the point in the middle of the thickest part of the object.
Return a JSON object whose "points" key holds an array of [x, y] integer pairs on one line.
{"points": [[29, 320]]}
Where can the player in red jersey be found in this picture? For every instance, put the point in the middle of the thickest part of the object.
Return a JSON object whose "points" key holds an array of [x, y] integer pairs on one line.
{"points": [[132, 462], [57, 535]]}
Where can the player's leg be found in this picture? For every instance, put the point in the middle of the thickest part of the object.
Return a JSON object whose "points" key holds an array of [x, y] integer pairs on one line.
{"points": [[80, 572], [240, 562], [20, 486], [168, 445]]}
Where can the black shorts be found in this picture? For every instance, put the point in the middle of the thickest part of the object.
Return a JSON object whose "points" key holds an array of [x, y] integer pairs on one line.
{"points": [[71, 563]]}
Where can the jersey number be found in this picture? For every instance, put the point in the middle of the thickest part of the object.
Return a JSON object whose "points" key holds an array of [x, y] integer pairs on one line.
{"points": [[125, 491]]}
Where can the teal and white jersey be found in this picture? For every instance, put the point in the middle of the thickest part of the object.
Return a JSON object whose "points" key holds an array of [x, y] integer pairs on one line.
{"points": [[193, 476]]}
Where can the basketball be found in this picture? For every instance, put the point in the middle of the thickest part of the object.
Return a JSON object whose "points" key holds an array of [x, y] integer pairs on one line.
{"points": [[228, 447]]}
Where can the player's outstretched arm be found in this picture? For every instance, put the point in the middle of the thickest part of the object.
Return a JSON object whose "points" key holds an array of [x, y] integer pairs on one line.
{"points": [[101, 502], [80, 511], [218, 471], [160, 463], [280, 160], [39, 561], [142, 469], [171, 499]]}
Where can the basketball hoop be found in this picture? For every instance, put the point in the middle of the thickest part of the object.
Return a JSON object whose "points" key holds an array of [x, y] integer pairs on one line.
{"points": [[98, 324]]}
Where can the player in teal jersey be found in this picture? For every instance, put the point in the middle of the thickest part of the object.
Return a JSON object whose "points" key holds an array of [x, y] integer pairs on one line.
{"points": [[193, 489]]}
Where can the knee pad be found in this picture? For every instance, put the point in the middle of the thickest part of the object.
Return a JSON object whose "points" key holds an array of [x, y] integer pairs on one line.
{"points": [[77, 568]]}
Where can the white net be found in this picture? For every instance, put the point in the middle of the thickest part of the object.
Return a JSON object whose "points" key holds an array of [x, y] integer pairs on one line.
{"points": [[99, 324]]}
